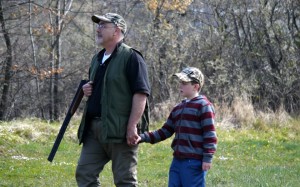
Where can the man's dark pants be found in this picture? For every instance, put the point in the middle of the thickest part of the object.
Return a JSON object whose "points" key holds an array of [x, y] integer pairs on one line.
{"points": [[95, 155]]}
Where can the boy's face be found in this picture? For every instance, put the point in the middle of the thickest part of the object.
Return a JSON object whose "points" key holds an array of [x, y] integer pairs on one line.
{"points": [[188, 90]]}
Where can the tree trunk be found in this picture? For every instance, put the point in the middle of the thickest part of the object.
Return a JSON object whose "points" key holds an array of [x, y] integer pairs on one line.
{"points": [[57, 61], [8, 66], [36, 76]]}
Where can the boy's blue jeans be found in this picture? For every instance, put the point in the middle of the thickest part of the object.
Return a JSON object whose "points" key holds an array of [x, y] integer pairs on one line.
{"points": [[186, 173]]}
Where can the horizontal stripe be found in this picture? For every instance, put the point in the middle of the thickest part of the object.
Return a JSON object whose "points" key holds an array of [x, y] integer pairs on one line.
{"points": [[210, 127], [210, 140], [178, 154], [207, 115], [190, 130], [162, 135]]}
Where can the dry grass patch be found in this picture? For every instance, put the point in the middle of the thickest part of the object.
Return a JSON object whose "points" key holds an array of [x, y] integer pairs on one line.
{"points": [[241, 114]]}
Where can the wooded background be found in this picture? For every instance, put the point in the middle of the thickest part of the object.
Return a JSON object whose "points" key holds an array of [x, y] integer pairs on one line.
{"points": [[248, 48]]}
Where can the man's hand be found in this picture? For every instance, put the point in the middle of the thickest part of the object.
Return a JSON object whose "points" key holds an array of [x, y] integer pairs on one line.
{"points": [[88, 88], [132, 136], [137, 109], [206, 166]]}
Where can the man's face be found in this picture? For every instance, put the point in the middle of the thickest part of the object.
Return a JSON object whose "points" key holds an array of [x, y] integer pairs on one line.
{"points": [[105, 32]]}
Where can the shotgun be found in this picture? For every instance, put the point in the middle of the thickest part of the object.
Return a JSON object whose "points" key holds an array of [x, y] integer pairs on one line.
{"points": [[72, 109]]}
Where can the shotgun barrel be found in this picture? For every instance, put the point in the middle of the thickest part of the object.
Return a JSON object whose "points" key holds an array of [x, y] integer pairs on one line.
{"points": [[72, 109]]}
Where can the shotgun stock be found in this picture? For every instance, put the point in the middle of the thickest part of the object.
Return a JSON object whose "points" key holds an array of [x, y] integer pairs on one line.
{"points": [[72, 109]]}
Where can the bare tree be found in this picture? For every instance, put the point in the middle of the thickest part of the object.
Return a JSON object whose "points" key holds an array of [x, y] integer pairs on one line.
{"points": [[7, 65], [249, 47], [34, 57]]}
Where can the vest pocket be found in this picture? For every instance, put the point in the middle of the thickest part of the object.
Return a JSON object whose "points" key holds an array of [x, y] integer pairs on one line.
{"points": [[117, 126]]}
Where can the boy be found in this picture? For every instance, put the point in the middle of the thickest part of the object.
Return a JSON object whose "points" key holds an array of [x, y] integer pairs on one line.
{"points": [[195, 139]]}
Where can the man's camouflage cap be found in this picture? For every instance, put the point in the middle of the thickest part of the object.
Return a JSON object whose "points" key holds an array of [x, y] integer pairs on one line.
{"points": [[191, 74], [111, 18]]}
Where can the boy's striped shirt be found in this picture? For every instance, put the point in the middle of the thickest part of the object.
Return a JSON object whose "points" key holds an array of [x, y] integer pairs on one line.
{"points": [[193, 125]]}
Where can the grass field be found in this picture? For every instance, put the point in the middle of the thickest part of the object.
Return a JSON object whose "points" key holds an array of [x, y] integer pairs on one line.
{"points": [[245, 157]]}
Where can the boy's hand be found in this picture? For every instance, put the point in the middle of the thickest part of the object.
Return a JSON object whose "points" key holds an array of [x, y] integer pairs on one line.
{"points": [[206, 166]]}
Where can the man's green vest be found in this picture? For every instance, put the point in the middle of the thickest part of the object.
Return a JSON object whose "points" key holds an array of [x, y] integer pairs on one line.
{"points": [[116, 100]]}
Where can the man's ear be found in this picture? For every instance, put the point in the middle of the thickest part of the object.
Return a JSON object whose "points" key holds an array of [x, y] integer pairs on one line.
{"points": [[118, 30]]}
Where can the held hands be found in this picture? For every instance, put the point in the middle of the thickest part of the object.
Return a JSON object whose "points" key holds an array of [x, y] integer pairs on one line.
{"points": [[132, 137], [88, 88], [139, 140]]}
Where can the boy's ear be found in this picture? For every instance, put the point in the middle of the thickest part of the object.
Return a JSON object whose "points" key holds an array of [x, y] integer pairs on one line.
{"points": [[199, 87]]}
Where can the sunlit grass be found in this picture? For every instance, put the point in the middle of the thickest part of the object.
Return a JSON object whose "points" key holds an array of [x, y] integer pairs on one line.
{"points": [[254, 158], [245, 157]]}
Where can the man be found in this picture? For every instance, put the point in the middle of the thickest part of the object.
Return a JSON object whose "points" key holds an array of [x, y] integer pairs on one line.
{"points": [[117, 97]]}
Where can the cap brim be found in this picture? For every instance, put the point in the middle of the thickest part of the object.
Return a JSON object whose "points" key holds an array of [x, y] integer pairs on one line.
{"points": [[182, 77], [97, 19]]}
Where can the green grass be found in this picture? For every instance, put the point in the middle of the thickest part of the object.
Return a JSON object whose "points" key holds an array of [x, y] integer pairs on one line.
{"points": [[268, 157]]}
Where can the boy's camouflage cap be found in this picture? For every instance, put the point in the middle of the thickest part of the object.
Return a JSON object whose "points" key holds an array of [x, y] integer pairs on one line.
{"points": [[111, 18], [191, 74]]}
